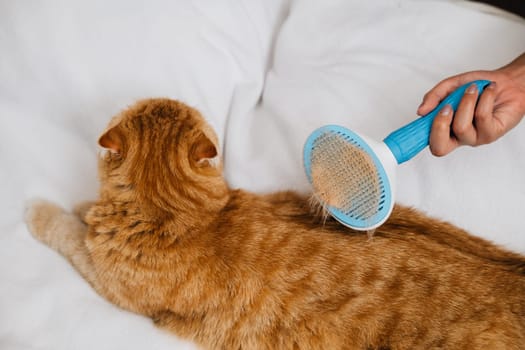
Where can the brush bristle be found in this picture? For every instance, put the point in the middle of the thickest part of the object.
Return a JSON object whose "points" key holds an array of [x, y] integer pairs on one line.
{"points": [[344, 176]]}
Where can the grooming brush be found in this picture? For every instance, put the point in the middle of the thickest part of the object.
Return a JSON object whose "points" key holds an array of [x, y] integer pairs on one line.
{"points": [[354, 177]]}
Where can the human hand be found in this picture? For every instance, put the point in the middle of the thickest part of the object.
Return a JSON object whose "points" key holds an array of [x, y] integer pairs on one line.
{"points": [[500, 107]]}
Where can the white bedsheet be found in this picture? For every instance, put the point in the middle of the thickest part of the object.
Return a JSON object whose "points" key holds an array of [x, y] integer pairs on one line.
{"points": [[265, 74]]}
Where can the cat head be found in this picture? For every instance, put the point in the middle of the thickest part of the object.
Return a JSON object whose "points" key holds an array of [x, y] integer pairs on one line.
{"points": [[162, 153]]}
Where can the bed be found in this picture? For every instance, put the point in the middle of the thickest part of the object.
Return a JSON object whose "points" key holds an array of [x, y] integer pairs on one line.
{"points": [[265, 73]]}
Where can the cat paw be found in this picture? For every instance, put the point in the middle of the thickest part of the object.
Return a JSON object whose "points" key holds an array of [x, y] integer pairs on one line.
{"points": [[42, 218]]}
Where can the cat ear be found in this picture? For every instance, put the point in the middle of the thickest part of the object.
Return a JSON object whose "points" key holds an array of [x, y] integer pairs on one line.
{"points": [[204, 151], [111, 140]]}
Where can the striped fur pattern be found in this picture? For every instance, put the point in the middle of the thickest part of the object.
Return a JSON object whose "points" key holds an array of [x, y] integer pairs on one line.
{"points": [[230, 269]]}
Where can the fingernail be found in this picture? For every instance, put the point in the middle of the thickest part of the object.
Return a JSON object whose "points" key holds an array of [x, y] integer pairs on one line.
{"points": [[446, 110], [472, 89], [492, 85]]}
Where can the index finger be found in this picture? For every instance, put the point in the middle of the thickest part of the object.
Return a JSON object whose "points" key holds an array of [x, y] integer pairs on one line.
{"points": [[445, 88], [437, 94]]}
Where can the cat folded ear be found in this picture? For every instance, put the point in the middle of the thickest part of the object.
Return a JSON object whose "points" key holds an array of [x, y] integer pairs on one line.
{"points": [[203, 151], [111, 140]]}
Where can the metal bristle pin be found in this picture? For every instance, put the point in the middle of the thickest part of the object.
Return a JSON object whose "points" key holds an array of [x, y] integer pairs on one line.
{"points": [[347, 177], [356, 189], [353, 177]]}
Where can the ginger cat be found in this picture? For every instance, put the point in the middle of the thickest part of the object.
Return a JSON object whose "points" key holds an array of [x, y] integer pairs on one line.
{"points": [[231, 269]]}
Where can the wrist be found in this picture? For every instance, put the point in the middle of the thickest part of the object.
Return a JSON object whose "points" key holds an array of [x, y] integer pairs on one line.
{"points": [[516, 70]]}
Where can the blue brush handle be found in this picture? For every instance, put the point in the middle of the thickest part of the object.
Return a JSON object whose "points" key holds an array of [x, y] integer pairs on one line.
{"points": [[410, 139]]}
